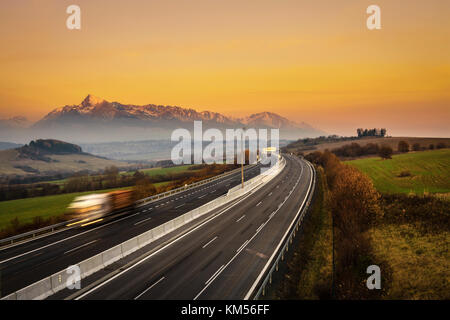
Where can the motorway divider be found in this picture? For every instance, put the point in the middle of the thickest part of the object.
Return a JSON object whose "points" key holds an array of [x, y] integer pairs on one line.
{"points": [[62, 225], [58, 281]]}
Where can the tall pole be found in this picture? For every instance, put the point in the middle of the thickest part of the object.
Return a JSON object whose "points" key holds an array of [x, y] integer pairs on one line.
{"points": [[242, 157]]}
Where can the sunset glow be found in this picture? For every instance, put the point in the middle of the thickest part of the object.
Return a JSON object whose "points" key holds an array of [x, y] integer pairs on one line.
{"points": [[312, 61]]}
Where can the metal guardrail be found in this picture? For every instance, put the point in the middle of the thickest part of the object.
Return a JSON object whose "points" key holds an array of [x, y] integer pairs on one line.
{"points": [[57, 281], [267, 277], [183, 188], [34, 233], [52, 228]]}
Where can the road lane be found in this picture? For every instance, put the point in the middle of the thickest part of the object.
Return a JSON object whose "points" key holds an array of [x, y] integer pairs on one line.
{"points": [[245, 236], [23, 265]]}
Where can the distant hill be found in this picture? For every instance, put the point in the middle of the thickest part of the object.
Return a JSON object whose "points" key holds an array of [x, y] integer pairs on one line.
{"points": [[47, 157], [8, 145], [97, 120], [390, 141]]}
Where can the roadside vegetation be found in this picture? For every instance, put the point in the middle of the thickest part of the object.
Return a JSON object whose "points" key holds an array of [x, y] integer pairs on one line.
{"points": [[21, 215], [407, 234], [309, 270], [409, 173], [373, 143]]}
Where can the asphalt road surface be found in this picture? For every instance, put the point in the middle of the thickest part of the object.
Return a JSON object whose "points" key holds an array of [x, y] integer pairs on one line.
{"points": [[223, 258], [24, 264]]}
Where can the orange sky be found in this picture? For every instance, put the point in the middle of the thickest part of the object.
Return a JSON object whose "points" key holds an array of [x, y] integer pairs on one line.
{"points": [[312, 61]]}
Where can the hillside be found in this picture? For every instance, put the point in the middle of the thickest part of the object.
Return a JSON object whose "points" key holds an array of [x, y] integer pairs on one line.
{"points": [[390, 141], [46, 157], [429, 172], [8, 145]]}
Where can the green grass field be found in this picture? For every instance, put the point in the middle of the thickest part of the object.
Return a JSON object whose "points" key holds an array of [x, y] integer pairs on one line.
{"points": [[26, 209], [150, 172], [159, 170], [430, 172], [50, 206]]}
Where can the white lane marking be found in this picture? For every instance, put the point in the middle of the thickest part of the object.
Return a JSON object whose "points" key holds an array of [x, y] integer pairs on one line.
{"points": [[242, 247], [247, 296], [202, 196], [237, 253], [146, 290], [84, 245], [161, 249], [260, 227], [228, 178], [213, 191], [259, 203], [214, 275], [139, 222], [180, 206], [210, 242], [62, 240], [240, 218]]}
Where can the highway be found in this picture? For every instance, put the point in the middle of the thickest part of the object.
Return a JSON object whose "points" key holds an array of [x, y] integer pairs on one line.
{"points": [[222, 258], [24, 264]]}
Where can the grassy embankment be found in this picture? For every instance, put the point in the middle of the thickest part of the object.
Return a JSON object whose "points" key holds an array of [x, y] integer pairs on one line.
{"points": [[415, 246], [151, 172], [50, 207], [25, 210], [309, 269], [429, 172], [409, 241]]}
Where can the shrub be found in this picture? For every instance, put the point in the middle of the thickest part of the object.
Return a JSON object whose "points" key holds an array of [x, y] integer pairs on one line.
{"points": [[405, 173], [385, 152], [403, 146]]}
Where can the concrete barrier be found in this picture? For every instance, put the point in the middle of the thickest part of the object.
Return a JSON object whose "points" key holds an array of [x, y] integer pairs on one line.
{"points": [[59, 280], [112, 255], [130, 246], [37, 291], [56, 282], [91, 265]]}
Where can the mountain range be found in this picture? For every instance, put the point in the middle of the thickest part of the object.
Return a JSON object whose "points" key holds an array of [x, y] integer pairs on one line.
{"points": [[98, 120]]}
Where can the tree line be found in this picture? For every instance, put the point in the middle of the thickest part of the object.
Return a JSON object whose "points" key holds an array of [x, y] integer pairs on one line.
{"points": [[354, 205], [371, 132], [111, 178], [354, 149]]}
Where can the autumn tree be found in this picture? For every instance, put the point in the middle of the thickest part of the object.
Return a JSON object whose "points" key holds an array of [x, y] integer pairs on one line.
{"points": [[144, 188], [403, 146], [385, 152], [112, 176], [416, 147]]}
